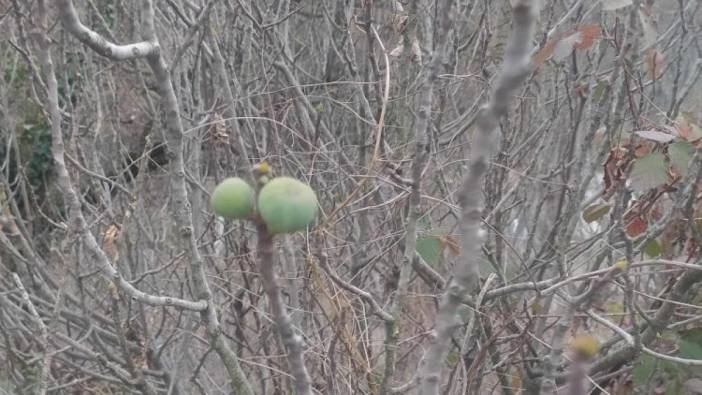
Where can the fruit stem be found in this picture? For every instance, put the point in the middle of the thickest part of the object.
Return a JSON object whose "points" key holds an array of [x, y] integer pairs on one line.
{"points": [[291, 340]]}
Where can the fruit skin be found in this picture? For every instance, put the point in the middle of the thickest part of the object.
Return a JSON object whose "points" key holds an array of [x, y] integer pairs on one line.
{"points": [[585, 345], [233, 198], [287, 205], [622, 264]]}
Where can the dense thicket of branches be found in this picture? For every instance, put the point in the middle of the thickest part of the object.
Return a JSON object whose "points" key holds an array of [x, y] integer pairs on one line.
{"points": [[508, 193]]}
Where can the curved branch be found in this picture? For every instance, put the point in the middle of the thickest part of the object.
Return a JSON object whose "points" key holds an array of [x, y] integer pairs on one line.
{"points": [[71, 199], [364, 295], [632, 342], [71, 22]]}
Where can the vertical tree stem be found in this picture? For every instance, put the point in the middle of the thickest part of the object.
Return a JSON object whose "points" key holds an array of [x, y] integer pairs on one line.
{"points": [[170, 118], [422, 124], [291, 340], [515, 69]]}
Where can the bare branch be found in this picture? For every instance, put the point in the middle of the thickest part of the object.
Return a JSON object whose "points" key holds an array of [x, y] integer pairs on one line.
{"points": [[515, 69], [98, 43]]}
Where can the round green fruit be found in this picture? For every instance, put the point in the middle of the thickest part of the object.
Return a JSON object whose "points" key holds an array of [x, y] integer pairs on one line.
{"points": [[233, 198], [287, 205]]}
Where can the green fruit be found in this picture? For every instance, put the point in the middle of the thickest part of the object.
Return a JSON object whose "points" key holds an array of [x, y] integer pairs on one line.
{"points": [[586, 345], [233, 198], [287, 205]]}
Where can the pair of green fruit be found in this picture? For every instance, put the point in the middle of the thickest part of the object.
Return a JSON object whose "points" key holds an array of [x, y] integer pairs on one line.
{"points": [[285, 204]]}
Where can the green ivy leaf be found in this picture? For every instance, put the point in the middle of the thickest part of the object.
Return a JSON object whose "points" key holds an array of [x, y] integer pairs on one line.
{"points": [[668, 335], [674, 387], [653, 249], [690, 343], [430, 249], [452, 358], [595, 211], [599, 89], [680, 153], [649, 172], [643, 370]]}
